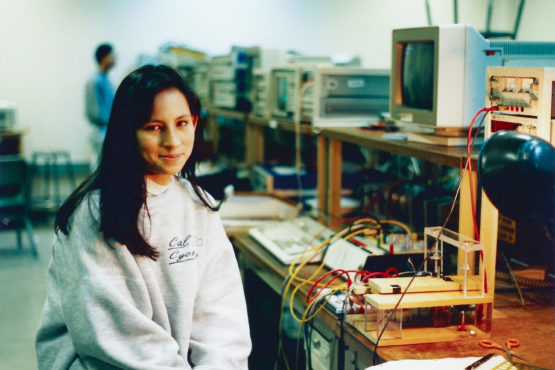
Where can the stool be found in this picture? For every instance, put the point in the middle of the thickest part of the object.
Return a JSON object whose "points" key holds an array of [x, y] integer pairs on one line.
{"points": [[51, 161]]}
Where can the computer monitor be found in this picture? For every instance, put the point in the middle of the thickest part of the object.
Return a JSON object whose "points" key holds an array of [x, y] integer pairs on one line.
{"points": [[438, 73]]}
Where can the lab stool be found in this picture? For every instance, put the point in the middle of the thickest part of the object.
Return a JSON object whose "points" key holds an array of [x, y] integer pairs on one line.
{"points": [[51, 161]]}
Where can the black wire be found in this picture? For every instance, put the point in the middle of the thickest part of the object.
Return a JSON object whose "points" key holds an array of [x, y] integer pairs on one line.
{"points": [[391, 312], [308, 329], [308, 343], [341, 352], [327, 245], [328, 242], [280, 348]]}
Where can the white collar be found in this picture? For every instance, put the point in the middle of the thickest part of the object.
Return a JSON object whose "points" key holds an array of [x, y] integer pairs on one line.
{"points": [[153, 188]]}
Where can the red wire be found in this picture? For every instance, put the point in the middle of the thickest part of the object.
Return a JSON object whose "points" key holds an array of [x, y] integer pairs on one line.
{"points": [[367, 274], [349, 281], [469, 162], [310, 298], [386, 274], [468, 153], [392, 270]]}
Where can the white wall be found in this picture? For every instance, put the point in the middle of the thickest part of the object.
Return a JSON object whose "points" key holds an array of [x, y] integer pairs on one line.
{"points": [[47, 45]]}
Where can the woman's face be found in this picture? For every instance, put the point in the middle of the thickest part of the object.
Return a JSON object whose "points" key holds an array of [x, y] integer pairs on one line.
{"points": [[166, 141]]}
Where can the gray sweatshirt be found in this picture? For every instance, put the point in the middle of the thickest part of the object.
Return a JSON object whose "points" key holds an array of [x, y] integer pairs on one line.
{"points": [[109, 309]]}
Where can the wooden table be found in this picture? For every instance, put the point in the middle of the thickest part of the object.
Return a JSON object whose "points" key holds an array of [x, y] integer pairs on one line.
{"points": [[329, 193], [533, 324]]}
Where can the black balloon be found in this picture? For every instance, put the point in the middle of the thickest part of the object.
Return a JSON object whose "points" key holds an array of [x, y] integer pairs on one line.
{"points": [[517, 173]]}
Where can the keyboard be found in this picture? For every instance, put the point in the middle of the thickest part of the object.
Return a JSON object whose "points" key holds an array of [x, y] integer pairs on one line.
{"points": [[288, 239]]}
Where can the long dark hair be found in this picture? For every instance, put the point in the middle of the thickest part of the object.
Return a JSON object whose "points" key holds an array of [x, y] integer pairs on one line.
{"points": [[120, 175]]}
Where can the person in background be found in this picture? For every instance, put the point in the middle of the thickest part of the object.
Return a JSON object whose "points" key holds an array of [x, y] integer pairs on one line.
{"points": [[99, 95], [142, 274]]}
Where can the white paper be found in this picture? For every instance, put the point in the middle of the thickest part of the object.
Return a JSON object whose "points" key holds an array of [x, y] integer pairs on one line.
{"points": [[441, 364]]}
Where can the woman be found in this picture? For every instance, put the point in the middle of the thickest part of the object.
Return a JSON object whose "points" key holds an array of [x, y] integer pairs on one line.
{"points": [[142, 274]]}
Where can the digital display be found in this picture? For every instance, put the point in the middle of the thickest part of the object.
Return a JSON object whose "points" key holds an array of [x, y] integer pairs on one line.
{"points": [[417, 75]]}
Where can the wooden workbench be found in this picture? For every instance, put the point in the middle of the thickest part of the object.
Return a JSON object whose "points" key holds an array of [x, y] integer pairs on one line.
{"points": [[330, 140], [533, 324], [330, 143]]}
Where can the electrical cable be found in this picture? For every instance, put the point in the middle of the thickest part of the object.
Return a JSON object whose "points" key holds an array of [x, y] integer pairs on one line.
{"points": [[281, 350], [398, 223], [307, 312], [308, 315], [467, 167], [293, 277], [320, 268], [298, 161], [308, 341], [302, 260], [355, 227], [311, 297], [301, 257], [469, 146], [410, 265], [392, 311]]}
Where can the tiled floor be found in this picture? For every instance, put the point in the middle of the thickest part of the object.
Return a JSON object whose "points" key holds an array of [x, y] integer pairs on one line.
{"points": [[22, 286], [22, 294]]}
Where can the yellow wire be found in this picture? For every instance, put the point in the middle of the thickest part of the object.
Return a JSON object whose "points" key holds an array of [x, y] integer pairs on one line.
{"points": [[398, 223], [305, 319], [320, 268], [316, 249], [292, 276], [294, 271], [333, 290], [366, 219], [300, 261], [327, 298]]}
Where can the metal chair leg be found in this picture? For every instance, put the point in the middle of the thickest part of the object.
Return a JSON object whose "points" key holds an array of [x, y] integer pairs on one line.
{"points": [[31, 236], [19, 241]]}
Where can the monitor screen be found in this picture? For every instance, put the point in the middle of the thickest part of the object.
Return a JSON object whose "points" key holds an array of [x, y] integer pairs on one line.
{"points": [[281, 93], [417, 75]]}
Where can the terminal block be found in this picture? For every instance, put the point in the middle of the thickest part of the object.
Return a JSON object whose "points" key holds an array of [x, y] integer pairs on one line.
{"points": [[524, 97]]}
